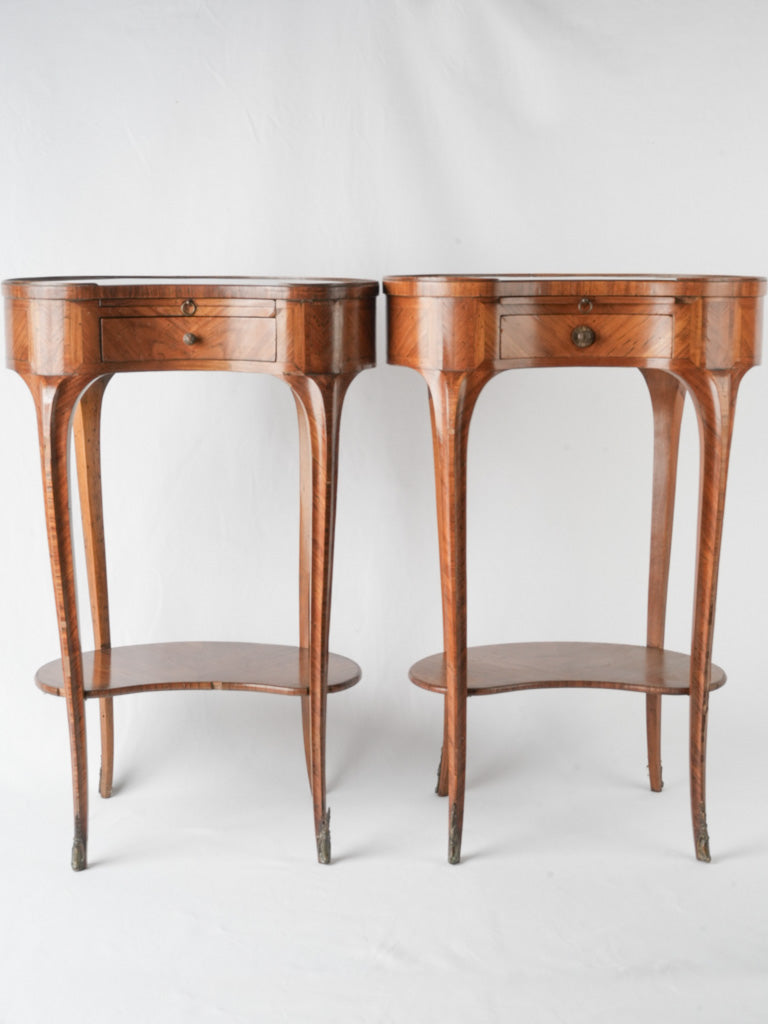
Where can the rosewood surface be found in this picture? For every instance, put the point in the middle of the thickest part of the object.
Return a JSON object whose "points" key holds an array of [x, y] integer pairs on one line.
{"points": [[199, 665], [693, 336], [66, 337]]}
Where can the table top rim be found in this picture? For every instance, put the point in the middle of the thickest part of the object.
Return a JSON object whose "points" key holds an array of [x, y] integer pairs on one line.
{"points": [[500, 285], [86, 287]]}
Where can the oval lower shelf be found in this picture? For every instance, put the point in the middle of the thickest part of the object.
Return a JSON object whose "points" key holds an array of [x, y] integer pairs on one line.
{"points": [[265, 668], [501, 668]]}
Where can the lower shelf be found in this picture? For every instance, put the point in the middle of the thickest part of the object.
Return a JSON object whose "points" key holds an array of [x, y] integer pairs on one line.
{"points": [[265, 668], [504, 667]]}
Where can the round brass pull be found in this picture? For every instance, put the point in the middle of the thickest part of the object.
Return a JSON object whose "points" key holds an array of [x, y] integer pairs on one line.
{"points": [[583, 337], [190, 339], [585, 305], [189, 307]]}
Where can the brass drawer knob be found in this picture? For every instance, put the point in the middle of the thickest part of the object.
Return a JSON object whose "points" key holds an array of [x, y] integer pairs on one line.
{"points": [[190, 339], [583, 337], [585, 305], [189, 307]]}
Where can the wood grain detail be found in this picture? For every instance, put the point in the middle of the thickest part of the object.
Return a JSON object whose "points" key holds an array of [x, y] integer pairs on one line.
{"points": [[616, 336], [196, 665], [697, 335], [131, 339], [174, 307], [502, 668], [67, 337]]}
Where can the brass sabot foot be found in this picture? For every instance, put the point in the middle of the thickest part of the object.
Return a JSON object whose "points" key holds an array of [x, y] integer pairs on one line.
{"points": [[454, 837], [324, 839], [701, 834], [79, 858], [702, 847]]}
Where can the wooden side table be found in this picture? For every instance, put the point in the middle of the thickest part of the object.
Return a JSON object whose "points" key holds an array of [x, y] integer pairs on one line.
{"points": [[686, 334], [67, 337]]}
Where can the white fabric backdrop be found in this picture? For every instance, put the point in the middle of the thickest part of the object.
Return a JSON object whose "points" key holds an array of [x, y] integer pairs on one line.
{"points": [[362, 138]]}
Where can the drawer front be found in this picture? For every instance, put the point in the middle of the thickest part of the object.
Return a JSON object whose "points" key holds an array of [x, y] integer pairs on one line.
{"points": [[607, 336], [150, 338]]}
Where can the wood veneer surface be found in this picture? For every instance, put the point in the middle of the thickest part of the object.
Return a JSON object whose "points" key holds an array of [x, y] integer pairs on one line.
{"points": [[199, 665], [500, 668]]}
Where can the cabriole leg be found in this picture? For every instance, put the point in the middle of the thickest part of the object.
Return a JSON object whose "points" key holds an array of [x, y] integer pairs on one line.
{"points": [[305, 562], [87, 431], [667, 399], [714, 398], [319, 401], [452, 397], [55, 399]]}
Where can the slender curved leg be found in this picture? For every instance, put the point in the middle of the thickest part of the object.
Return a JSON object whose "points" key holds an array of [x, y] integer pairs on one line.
{"points": [[452, 397], [319, 400], [667, 399], [55, 399], [714, 398], [305, 562], [441, 788], [87, 431]]}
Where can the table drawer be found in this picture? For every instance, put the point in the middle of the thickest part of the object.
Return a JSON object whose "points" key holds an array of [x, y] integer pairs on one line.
{"points": [[132, 339], [577, 335]]}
